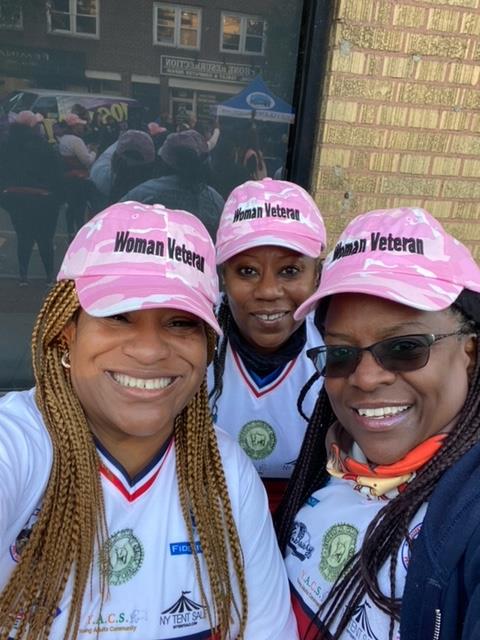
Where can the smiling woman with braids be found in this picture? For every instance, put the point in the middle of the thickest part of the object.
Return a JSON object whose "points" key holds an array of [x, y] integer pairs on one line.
{"points": [[381, 521], [269, 241], [121, 508]]}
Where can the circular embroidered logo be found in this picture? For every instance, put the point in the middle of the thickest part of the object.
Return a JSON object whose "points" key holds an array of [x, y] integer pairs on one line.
{"points": [[257, 439], [338, 547], [123, 555], [406, 549]]}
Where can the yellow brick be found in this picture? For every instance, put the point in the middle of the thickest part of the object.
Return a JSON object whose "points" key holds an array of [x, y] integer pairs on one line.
{"points": [[363, 184], [362, 88], [353, 136], [409, 16], [465, 210], [423, 118], [398, 67], [345, 111], [461, 189], [444, 20], [417, 141], [392, 115], [465, 145], [473, 4], [446, 166], [329, 179], [355, 62], [358, 11], [333, 156], [414, 164], [464, 74], [454, 120], [471, 168], [370, 203], [443, 46], [464, 230], [438, 208], [430, 71], [470, 24], [472, 99], [403, 185], [372, 37], [367, 114], [360, 159], [475, 126], [476, 53], [403, 201], [475, 249], [387, 162], [413, 93]]}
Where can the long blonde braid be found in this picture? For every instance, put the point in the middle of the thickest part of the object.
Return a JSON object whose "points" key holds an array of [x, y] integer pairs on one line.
{"points": [[71, 523]]}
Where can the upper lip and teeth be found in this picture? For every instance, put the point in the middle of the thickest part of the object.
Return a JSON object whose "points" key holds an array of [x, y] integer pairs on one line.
{"points": [[381, 412], [271, 316], [134, 382]]}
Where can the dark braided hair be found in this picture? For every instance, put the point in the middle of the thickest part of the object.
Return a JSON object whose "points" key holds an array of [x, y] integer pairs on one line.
{"points": [[389, 528], [225, 318]]}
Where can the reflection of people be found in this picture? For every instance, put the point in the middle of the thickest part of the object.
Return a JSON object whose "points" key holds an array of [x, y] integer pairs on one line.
{"points": [[77, 159], [392, 450], [132, 162], [30, 180], [183, 183], [144, 508], [270, 265], [252, 156]]}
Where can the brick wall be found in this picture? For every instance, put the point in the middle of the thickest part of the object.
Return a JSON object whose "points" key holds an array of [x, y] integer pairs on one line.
{"points": [[400, 116]]}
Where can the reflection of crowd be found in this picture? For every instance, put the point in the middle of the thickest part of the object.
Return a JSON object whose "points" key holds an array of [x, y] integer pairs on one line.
{"points": [[190, 165]]}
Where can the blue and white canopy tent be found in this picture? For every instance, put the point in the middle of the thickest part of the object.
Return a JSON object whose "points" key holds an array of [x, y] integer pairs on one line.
{"points": [[257, 101]]}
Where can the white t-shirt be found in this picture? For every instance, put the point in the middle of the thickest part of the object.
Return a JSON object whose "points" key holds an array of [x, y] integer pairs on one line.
{"points": [[265, 420], [328, 530], [153, 591]]}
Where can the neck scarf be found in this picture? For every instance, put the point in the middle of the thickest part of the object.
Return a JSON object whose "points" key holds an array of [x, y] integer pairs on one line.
{"points": [[264, 363], [380, 481]]}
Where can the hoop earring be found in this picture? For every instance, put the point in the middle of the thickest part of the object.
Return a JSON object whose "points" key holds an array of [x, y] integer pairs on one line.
{"points": [[65, 360]]}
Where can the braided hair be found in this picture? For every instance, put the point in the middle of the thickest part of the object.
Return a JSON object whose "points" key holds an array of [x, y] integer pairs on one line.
{"points": [[72, 523], [388, 529]]}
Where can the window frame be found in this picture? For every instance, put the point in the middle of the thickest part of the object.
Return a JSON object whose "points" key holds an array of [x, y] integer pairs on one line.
{"points": [[177, 27], [72, 13], [243, 33]]}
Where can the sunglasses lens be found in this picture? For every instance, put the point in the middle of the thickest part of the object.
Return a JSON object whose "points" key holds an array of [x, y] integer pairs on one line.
{"points": [[340, 361], [406, 353]]}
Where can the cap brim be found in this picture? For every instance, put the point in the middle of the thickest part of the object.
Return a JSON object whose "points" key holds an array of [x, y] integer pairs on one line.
{"points": [[303, 245], [103, 296], [418, 292]]}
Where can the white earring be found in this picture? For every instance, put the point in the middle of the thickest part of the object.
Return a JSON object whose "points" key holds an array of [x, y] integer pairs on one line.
{"points": [[66, 359]]}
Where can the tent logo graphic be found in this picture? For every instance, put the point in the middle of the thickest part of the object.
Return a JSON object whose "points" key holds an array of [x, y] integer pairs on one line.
{"points": [[260, 100], [184, 612]]}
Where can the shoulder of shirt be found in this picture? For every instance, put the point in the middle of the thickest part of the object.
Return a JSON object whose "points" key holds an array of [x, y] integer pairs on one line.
{"points": [[19, 411]]}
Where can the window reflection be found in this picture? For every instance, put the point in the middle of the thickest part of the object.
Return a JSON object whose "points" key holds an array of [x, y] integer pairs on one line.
{"points": [[217, 77]]}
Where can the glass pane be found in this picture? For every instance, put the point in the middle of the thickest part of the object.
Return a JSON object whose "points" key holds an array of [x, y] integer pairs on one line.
{"points": [[166, 34], [86, 25], [61, 5], [166, 16], [255, 27], [87, 7], [253, 44], [177, 88], [61, 21], [190, 19], [188, 38]]}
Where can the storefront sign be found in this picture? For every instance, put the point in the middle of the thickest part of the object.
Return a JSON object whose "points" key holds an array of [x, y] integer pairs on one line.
{"points": [[24, 62], [206, 69]]}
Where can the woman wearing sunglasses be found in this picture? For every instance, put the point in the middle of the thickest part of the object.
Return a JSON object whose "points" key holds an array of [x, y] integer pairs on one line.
{"points": [[381, 520]]}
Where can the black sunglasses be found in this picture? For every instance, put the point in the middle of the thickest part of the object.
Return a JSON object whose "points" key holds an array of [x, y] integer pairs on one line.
{"points": [[402, 353]]}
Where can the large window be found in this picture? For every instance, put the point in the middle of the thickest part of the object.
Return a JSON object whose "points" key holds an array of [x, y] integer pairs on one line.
{"points": [[177, 26], [242, 34], [79, 17]]}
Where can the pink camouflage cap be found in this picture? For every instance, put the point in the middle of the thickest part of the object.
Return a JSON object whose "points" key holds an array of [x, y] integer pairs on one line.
{"points": [[403, 255], [134, 256], [270, 212]]}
